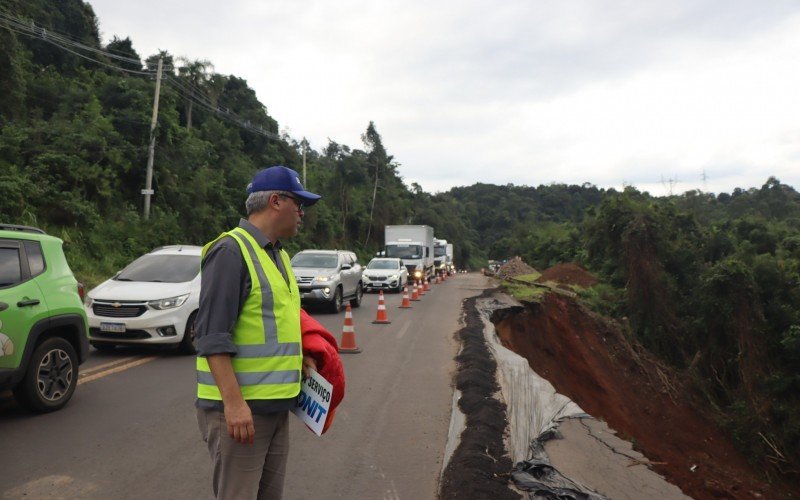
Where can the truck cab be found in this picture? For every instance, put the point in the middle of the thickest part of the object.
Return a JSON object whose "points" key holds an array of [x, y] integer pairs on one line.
{"points": [[440, 256], [451, 268], [414, 246]]}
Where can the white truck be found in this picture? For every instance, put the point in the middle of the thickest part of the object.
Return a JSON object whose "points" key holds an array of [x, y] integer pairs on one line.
{"points": [[451, 268], [440, 255], [414, 246]]}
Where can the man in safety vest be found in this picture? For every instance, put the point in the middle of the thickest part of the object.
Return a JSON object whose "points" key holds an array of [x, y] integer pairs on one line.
{"points": [[248, 341]]}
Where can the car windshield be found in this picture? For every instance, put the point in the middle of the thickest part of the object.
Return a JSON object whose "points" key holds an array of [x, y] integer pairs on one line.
{"points": [[439, 251], [383, 264], [161, 268], [404, 251], [314, 260]]}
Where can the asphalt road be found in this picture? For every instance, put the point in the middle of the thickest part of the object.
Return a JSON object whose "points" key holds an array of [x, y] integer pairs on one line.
{"points": [[130, 430]]}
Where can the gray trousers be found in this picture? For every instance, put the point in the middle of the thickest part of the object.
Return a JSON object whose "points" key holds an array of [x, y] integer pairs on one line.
{"points": [[245, 471]]}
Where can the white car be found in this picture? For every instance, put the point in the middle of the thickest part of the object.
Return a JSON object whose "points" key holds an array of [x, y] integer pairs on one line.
{"points": [[153, 301], [385, 273]]}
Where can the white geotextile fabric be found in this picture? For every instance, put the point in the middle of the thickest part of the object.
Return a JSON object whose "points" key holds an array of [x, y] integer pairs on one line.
{"points": [[533, 405], [457, 425]]}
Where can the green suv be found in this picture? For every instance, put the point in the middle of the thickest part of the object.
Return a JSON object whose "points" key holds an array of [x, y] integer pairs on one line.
{"points": [[42, 321]]}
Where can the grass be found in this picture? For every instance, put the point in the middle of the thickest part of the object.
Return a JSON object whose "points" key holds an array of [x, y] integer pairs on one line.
{"points": [[524, 293], [530, 278]]}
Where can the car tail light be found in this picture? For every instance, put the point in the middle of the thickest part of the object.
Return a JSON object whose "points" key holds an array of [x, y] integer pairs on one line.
{"points": [[81, 290]]}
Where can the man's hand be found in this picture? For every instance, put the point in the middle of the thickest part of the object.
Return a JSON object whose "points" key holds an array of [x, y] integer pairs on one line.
{"points": [[240, 423], [308, 362], [237, 414]]}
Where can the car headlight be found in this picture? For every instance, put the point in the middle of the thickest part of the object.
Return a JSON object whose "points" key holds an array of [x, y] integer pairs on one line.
{"points": [[393, 277], [169, 303], [87, 301]]}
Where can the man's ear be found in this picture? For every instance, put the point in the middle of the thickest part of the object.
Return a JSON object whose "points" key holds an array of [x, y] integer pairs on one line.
{"points": [[274, 198]]}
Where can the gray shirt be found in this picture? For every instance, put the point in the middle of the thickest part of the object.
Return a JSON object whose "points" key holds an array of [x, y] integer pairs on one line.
{"points": [[224, 287]]}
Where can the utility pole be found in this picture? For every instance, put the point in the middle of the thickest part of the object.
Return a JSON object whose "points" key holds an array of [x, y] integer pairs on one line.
{"points": [[304, 163], [148, 187]]}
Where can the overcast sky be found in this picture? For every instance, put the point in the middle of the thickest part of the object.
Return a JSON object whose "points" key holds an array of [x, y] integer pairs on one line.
{"points": [[654, 94]]}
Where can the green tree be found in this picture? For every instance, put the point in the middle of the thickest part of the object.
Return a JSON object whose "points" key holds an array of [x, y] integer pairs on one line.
{"points": [[195, 76]]}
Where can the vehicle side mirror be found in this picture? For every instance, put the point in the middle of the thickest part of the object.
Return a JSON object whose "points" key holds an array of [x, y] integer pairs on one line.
{"points": [[345, 267]]}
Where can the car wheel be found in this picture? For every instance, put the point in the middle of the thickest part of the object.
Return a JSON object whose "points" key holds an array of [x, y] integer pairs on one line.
{"points": [[336, 303], [103, 347], [187, 342], [356, 302], [51, 377]]}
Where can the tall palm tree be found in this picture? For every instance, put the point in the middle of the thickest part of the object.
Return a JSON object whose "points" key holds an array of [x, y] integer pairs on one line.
{"points": [[195, 75]]}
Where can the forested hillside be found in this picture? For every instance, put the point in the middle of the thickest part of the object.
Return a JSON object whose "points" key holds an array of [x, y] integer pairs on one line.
{"points": [[709, 283]]}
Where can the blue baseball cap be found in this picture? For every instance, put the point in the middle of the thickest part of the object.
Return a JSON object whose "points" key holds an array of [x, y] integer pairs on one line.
{"points": [[280, 178]]}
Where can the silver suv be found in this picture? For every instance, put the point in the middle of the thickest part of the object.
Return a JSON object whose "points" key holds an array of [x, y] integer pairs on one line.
{"points": [[328, 277]]}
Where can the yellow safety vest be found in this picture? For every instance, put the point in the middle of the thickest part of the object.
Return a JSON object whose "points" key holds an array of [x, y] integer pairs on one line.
{"points": [[269, 356]]}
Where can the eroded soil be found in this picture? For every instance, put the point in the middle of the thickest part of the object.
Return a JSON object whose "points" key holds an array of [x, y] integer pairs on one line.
{"points": [[589, 360]]}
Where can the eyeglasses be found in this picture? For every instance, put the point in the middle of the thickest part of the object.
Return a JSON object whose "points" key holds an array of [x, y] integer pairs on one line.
{"points": [[296, 200]]}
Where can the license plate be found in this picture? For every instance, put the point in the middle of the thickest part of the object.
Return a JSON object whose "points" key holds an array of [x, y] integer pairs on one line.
{"points": [[112, 327]]}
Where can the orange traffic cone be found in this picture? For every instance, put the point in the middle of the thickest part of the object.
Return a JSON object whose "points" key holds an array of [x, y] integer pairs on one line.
{"points": [[425, 286], [348, 343], [381, 318], [406, 304], [420, 288], [438, 279], [415, 292]]}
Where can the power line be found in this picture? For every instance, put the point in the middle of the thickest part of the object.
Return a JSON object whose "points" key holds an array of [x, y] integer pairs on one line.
{"points": [[184, 88], [223, 113], [31, 28], [5, 24]]}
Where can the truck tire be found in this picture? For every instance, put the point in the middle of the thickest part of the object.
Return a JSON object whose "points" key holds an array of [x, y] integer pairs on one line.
{"points": [[51, 378]]}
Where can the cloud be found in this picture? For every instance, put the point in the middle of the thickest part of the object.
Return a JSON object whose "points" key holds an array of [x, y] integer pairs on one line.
{"points": [[607, 92]]}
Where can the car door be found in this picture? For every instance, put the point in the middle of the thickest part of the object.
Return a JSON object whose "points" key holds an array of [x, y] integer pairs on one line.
{"points": [[21, 302], [357, 271], [347, 274]]}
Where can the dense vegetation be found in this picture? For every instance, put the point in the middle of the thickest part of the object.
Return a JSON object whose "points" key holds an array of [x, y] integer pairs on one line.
{"points": [[709, 283]]}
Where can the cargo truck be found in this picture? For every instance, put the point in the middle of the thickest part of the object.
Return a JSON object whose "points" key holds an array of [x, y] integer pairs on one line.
{"points": [[414, 246], [451, 268], [440, 255]]}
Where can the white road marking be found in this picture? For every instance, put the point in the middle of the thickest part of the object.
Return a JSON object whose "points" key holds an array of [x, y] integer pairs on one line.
{"points": [[403, 330]]}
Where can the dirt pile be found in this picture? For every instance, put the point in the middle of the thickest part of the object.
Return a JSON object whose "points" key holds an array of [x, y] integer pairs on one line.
{"points": [[514, 267], [589, 360], [480, 465], [568, 274]]}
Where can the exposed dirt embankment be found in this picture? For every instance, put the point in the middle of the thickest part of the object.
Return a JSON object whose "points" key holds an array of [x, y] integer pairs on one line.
{"points": [[568, 274], [589, 360]]}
